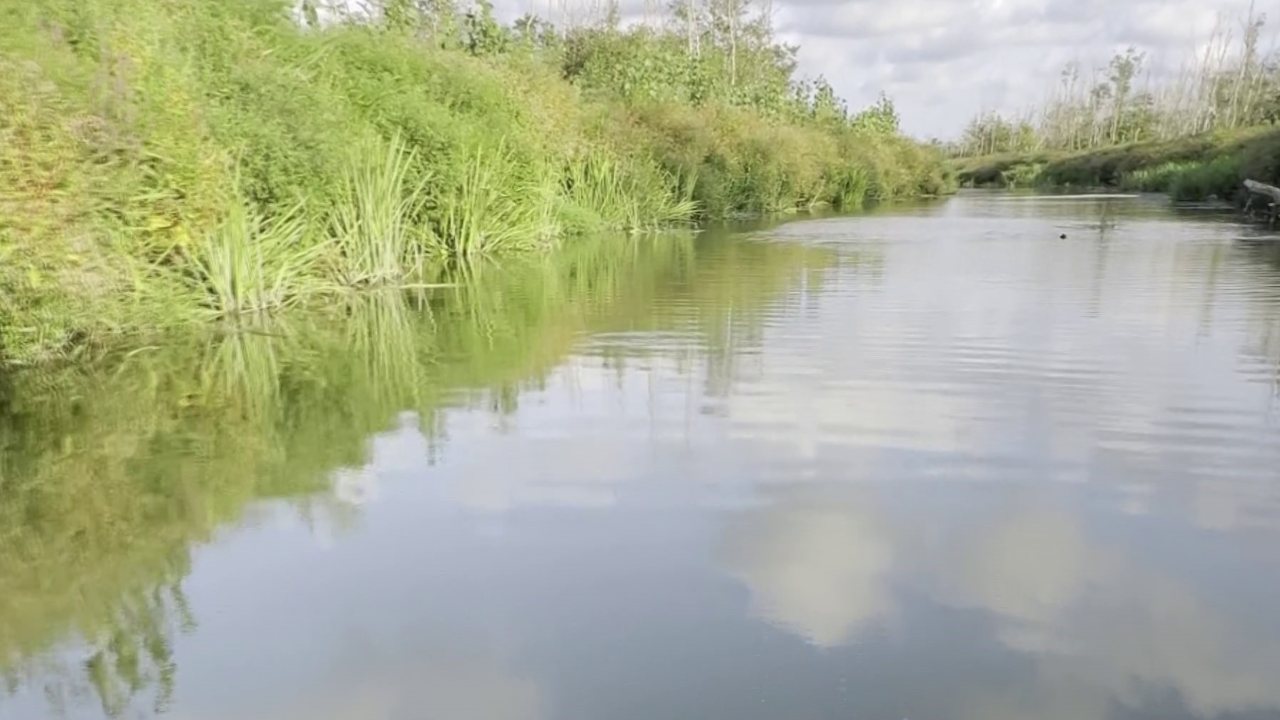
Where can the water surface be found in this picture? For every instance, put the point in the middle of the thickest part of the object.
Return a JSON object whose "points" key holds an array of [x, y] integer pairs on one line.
{"points": [[927, 463]]}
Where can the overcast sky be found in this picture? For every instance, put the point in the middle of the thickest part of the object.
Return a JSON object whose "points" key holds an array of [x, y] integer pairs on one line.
{"points": [[942, 61]]}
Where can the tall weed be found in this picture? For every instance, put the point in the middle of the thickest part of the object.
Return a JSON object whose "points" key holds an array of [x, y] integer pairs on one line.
{"points": [[1218, 178], [252, 263], [629, 194], [376, 221], [495, 207]]}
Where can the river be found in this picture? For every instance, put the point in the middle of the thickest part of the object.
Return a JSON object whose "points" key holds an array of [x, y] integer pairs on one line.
{"points": [[932, 462]]}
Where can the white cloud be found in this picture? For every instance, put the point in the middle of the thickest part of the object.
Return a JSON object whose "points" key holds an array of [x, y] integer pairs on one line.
{"points": [[967, 56], [943, 61], [819, 570], [1097, 624], [1102, 626]]}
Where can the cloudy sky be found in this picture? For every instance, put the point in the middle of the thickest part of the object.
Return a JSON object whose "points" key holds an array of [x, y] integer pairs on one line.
{"points": [[943, 61]]}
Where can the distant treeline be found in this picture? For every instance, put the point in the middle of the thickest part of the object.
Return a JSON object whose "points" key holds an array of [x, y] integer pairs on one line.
{"points": [[1233, 83]]}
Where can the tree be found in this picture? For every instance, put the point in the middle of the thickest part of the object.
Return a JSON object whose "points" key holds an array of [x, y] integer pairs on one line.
{"points": [[827, 107], [484, 35], [1124, 68], [882, 117]]}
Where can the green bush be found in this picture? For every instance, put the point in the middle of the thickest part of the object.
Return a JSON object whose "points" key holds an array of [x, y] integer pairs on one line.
{"points": [[1153, 179], [1218, 178]]}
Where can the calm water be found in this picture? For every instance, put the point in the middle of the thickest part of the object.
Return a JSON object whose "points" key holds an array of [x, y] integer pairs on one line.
{"points": [[931, 463]]}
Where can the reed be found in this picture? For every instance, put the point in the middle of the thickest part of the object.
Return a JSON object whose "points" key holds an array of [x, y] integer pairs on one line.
{"points": [[628, 194], [376, 222], [253, 264], [498, 204]]}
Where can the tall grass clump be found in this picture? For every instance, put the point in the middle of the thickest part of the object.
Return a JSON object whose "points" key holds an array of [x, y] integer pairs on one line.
{"points": [[1153, 179], [377, 219], [1219, 177], [627, 194], [491, 208], [253, 263]]}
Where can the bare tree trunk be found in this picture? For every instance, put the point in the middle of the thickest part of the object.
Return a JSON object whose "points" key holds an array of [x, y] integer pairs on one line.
{"points": [[691, 26], [733, 44]]}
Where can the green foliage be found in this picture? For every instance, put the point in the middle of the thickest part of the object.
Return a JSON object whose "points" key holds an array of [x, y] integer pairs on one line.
{"points": [[495, 206], [158, 159], [377, 239], [734, 161], [1109, 167], [1022, 175], [253, 263], [626, 194], [879, 118], [715, 59], [1219, 178], [1159, 178], [1260, 158]]}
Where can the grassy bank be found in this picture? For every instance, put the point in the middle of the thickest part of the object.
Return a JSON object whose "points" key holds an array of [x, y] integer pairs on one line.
{"points": [[1190, 168], [166, 162]]}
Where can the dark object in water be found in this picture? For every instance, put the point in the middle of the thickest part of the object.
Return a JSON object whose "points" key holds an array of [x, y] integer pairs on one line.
{"points": [[1063, 236], [1271, 197]]}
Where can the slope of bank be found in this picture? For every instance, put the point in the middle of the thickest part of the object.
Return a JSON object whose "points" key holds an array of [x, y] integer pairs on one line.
{"points": [[1191, 168], [167, 162]]}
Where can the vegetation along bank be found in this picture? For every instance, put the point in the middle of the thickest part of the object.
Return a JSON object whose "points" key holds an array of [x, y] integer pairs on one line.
{"points": [[167, 161], [1198, 167], [1196, 134]]}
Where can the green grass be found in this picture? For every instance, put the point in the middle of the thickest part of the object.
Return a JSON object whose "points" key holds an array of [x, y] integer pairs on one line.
{"points": [[1196, 180], [493, 209], [375, 221], [627, 194], [1159, 178], [253, 264]]}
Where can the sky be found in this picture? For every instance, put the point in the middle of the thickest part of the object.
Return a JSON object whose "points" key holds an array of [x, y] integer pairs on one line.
{"points": [[944, 61]]}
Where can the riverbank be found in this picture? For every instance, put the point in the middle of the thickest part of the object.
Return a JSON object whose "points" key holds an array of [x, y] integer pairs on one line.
{"points": [[1191, 168], [168, 163]]}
